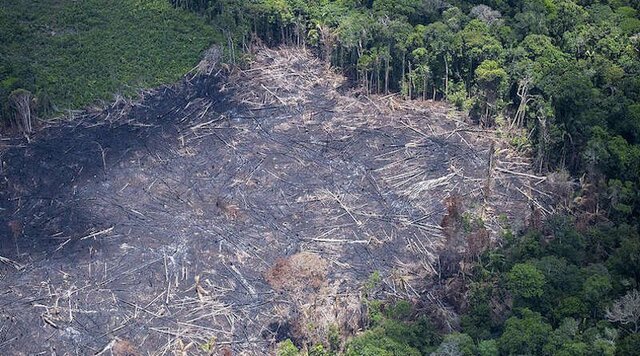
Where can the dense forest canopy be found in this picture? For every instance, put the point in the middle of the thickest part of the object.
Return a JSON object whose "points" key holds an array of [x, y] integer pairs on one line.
{"points": [[559, 78]]}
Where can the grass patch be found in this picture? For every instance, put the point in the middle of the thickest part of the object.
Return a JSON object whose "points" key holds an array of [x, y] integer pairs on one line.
{"points": [[72, 53]]}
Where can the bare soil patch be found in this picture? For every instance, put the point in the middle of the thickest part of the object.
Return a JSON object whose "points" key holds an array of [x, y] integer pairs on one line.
{"points": [[232, 210], [297, 273]]}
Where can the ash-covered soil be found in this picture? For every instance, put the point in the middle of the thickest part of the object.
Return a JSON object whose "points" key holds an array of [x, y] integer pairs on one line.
{"points": [[236, 209]]}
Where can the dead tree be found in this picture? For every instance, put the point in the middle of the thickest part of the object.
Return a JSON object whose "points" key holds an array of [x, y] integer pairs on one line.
{"points": [[491, 165], [543, 113], [626, 311], [212, 58], [328, 38], [523, 94], [21, 103]]}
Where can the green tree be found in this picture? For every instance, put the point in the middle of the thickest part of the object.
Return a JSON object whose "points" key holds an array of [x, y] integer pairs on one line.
{"points": [[629, 345], [596, 287], [491, 79], [525, 334], [625, 259], [456, 344], [475, 44], [439, 38], [534, 17], [524, 280], [565, 340], [488, 348], [375, 343]]}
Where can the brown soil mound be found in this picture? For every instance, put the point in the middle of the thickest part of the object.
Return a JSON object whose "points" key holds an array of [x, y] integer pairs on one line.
{"points": [[298, 272]]}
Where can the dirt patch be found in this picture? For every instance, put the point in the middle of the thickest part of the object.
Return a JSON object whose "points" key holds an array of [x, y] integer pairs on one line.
{"points": [[124, 348], [173, 221], [297, 273]]}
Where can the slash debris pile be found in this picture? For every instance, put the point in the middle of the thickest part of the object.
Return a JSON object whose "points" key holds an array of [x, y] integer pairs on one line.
{"points": [[234, 210]]}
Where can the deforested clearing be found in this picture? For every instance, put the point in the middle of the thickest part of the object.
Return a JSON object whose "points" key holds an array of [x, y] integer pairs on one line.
{"points": [[241, 207]]}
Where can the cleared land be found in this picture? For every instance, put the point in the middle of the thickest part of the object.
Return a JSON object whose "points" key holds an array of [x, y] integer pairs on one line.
{"points": [[236, 209]]}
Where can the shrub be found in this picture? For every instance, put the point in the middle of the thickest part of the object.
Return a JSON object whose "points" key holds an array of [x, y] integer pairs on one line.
{"points": [[287, 348]]}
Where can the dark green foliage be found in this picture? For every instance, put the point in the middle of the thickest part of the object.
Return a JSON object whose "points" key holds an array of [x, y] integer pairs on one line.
{"points": [[629, 345], [625, 260], [391, 337], [488, 348], [596, 288], [526, 281], [528, 245], [375, 343], [562, 279], [567, 281], [566, 242], [525, 334], [477, 321], [571, 306], [401, 310], [392, 333]]}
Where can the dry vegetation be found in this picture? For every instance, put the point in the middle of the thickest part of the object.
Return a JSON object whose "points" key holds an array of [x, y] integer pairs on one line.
{"points": [[237, 209]]}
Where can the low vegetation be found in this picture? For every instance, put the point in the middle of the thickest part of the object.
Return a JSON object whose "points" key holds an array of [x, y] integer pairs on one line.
{"points": [[71, 53]]}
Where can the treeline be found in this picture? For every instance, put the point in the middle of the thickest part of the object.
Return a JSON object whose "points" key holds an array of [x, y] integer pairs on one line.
{"points": [[562, 78], [565, 71]]}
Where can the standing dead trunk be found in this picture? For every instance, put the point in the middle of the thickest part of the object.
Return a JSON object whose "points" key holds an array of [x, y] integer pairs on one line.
{"points": [[386, 75], [523, 94], [404, 59], [377, 65], [446, 76], [403, 78], [371, 79], [488, 184], [486, 118], [543, 149], [424, 86], [20, 101], [364, 75], [328, 40], [410, 83]]}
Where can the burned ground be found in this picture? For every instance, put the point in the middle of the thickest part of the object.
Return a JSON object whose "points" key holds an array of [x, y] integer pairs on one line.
{"points": [[216, 213]]}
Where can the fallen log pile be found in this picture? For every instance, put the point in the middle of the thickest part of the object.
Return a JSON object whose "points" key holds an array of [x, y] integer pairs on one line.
{"points": [[160, 221]]}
